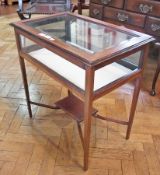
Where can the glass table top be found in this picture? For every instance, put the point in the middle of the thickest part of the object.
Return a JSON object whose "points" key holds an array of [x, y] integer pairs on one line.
{"points": [[80, 33]]}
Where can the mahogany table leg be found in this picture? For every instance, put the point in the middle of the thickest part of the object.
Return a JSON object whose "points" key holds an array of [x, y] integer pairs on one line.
{"points": [[88, 113], [133, 105], [79, 7], [24, 77], [153, 92]]}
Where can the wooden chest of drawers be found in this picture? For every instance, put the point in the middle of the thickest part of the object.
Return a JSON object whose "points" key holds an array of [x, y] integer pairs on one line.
{"points": [[141, 15]]}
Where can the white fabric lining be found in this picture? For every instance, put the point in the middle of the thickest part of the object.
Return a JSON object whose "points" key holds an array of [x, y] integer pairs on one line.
{"points": [[75, 74]]}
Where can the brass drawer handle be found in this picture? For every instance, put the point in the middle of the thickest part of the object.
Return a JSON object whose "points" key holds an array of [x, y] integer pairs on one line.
{"points": [[96, 12], [155, 27], [105, 1], [144, 8], [122, 17]]}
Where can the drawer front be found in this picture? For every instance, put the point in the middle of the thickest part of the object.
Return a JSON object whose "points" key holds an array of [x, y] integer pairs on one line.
{"points": [[153, 26], [96, 11], [144, 6], [112, 3], [124, 17]]}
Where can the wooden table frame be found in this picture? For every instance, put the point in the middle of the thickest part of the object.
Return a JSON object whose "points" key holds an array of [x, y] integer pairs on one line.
{"points": [[90, 64], [26, 12], [81, 5]]}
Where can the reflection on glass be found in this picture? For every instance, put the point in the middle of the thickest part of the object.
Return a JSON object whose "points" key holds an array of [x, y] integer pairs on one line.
{"points": [[80, 33], [132, 61]]}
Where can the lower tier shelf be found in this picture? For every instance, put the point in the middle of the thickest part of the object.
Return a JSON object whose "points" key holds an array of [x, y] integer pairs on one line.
{"points": [[73, 106]]}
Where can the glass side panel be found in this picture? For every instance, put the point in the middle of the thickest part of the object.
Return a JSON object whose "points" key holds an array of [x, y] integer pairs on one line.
{"points": [[81, 33], [132, 61], [76, 75]]}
